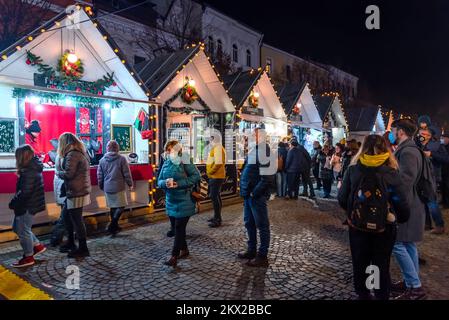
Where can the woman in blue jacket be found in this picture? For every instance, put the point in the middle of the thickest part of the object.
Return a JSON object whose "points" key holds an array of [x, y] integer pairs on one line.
{"points": [[177, 178]]}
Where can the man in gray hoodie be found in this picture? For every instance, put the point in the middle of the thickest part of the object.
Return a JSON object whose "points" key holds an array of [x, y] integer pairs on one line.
{"points": [[114, 175]]}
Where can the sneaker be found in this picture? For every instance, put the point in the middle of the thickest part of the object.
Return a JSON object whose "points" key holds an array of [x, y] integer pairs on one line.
{"points": [[172, 262], [258, 262], [170, 234], [24, 262], [246, 255], [184, 254], [78, 253], [68, 246], [437, 230], [398, 287], [412, 294], [211, 220], [38, 249]]}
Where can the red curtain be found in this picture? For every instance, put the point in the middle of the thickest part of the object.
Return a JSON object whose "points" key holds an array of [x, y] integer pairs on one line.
{"points": [[54, 120]]}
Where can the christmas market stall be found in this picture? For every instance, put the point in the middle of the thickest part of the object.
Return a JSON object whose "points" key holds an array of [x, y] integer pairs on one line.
{"points": [[192, 99], [303, 117], [69, 76], [258, 105], [335, 126], [364, 119]]}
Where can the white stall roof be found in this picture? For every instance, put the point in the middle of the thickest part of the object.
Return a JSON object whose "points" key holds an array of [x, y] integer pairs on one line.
{"points": [[166, 75], [90, 43]]}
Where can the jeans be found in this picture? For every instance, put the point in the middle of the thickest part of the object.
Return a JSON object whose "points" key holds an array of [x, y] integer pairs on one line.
{"points": [[281, 184], [327, 186], [293, 180], [307, 182], [255, 216], [372, 249], [406, 254], [180, 235], [215, 196], [434, 210], [22, 227]]}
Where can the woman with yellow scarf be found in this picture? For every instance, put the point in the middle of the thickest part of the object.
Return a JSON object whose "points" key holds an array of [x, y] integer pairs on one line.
{"points": [[375, 201]]}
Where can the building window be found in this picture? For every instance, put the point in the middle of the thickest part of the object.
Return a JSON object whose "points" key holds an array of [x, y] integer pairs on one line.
{"points": [[288, 73], [269, 66], [138, 59], [211, 45], [219, 46], [248, 58], [235, 53]]}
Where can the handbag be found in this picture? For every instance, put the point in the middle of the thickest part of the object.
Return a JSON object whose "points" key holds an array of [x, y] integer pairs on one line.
{"points": [[196, 196]]}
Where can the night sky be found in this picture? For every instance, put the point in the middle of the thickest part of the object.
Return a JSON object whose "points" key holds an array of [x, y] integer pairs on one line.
{"points": [[405, 65]]}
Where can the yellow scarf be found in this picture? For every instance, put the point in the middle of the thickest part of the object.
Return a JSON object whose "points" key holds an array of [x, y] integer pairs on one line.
{"points": [[374, 161]]}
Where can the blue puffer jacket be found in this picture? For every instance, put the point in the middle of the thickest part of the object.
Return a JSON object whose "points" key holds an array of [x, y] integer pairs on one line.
{"points": [[178, 202], [251, 179]]}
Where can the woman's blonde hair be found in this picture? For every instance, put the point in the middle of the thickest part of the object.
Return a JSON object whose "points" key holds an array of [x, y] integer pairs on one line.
{"points": [[374, 144], [24, 154], [68, 139]]}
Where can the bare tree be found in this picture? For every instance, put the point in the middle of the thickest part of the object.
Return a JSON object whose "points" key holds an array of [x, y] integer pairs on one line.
{"points": [[181, 27], [17, 17]]}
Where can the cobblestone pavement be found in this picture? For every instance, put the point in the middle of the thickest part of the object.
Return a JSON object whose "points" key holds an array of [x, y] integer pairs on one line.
{"points": [[309, 259]]}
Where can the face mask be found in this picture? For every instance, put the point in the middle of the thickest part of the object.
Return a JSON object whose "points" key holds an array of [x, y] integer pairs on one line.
{"points": [[392, 138], [175, 158]]}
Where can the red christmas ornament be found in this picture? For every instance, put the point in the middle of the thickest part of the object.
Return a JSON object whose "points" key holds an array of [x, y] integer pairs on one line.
{"points": [[28, 62], [100, 93], [114, 84]]}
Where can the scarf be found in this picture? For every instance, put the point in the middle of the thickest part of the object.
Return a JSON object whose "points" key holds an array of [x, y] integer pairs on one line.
{"points": [[374, 161]]}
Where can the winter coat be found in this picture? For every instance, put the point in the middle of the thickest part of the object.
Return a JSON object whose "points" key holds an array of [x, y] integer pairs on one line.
{"points": [[215, 166], [439, 157], [345, 162], [314, 157], [282, 153], [76, 173], [256, 178], [326, 173], [298, 160], [58, 182], [30, 195], [410, 167], [390, 180], [114, 173], [178, 201]]}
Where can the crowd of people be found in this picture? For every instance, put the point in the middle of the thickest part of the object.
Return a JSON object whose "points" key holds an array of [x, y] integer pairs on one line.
{"points": [[388, 186]]}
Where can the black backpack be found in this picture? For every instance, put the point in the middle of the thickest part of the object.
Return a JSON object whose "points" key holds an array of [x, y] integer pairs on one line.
{"points": [[370, 203]]}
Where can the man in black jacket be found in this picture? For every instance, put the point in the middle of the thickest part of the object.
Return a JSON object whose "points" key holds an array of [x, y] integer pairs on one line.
{"points": [[256, 181], [297, 165]]}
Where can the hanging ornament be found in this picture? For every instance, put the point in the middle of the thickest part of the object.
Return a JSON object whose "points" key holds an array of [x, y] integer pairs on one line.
{"points": [[253, 99], [188, 93], [70, 66]]}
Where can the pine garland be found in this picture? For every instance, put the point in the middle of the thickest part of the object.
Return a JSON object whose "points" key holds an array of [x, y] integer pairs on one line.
{"points": [[62, 81]]}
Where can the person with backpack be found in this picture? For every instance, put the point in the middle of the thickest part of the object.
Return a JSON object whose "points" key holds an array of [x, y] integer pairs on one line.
{"points": [[114, 175], [281, 175], [75, 171], [256, 181], [28, 200], [415, 174], [178, 177], [435, 151], [374, 200]]}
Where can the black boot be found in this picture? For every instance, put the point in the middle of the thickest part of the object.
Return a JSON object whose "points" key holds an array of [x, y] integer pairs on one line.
{"points": [[82, 250], [69, 245], [115, 218]]}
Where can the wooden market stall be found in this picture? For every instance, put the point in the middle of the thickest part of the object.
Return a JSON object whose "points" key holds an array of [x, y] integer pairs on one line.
{"points": [[364, 119], [335, 125], [192, 99], [70, 76]]}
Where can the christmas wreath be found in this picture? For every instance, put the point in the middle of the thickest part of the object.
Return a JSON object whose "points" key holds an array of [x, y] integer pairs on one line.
{"points": [[253, 100], [71, 70], [188, 93]]}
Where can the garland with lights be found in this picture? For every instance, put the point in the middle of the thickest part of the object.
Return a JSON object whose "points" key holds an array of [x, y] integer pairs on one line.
{"points": [[65, 79], [56, 98], [186, 110]]}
